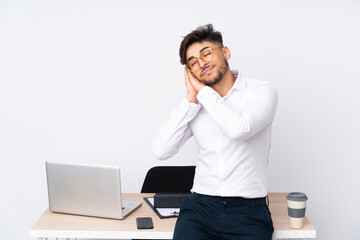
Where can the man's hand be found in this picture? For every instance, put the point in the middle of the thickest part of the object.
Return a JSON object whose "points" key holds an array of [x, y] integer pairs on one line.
{"points": [[191, 92], [193, 86]]}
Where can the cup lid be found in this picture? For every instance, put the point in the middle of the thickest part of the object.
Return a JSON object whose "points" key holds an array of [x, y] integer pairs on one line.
{"points": [[297, 196]]}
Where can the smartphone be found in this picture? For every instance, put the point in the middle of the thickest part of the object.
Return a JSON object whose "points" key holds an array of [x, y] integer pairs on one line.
{"points": [[144, 223]]}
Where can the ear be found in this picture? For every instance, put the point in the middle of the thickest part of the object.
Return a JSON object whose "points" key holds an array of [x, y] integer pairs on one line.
{"points": [[227, 53]]}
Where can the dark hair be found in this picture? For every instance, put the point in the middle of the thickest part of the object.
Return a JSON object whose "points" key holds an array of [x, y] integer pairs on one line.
{"points": [[202, 33]]}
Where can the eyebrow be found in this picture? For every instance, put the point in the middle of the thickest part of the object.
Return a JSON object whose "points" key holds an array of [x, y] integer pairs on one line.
{"points": [[199, 52]]}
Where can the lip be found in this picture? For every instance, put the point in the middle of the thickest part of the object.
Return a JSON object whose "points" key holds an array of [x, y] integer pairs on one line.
{"points": [[206, 71]]}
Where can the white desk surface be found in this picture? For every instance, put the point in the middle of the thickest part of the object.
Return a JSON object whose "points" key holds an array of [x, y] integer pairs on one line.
{"points": [[55, 225]]}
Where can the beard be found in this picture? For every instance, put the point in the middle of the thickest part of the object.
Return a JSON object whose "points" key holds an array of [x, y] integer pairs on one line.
{"points": [[223, 67]]}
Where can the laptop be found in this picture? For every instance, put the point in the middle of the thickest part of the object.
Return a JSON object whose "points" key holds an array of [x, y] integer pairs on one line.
{"points": [[89, 190]]}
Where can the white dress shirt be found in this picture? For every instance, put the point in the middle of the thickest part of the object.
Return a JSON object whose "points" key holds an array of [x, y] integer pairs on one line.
{"points": [[233, 136]]}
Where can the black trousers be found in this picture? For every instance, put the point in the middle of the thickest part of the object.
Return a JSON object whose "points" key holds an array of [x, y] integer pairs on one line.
{"points": [[205, 217]]}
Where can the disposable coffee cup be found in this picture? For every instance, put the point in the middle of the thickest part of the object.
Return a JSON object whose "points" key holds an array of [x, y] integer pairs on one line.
{"points": [[296, 202]]}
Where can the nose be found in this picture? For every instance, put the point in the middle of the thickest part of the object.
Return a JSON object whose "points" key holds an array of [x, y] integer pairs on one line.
{"points": [[202, 63]]}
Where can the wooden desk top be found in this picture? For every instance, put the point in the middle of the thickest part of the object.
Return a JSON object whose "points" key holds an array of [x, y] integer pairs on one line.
{"points": [[54, 225]]}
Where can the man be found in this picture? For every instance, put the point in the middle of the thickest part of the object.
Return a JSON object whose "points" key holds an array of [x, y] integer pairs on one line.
{"points": [[230, 117]]}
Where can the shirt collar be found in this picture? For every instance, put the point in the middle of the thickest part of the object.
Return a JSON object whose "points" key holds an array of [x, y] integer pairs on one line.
{"points": [[239, 82]]}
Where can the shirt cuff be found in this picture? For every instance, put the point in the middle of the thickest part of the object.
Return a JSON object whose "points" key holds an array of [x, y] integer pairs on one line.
{"points": [[204, 93], [189, 108]]}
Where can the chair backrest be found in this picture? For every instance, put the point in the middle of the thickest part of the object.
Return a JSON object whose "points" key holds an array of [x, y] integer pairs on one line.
{"points": [[172, 179]]}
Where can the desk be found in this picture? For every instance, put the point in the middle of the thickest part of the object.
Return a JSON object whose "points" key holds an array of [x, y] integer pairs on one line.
{"points": [[55, 225]]}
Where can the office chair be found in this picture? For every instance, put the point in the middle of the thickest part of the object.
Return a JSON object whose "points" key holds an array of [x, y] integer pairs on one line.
{"points": [[174, 179]]}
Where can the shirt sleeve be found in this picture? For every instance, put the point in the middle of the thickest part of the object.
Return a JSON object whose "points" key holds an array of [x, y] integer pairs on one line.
{"points": [[173, 135], [242, 123]]}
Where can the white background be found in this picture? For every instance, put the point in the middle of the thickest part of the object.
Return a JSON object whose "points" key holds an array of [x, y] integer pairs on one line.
{"points": [[92, 81]]}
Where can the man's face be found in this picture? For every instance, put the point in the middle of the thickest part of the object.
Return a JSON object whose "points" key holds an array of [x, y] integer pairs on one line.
{"points": [[212, 71]]}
